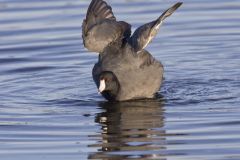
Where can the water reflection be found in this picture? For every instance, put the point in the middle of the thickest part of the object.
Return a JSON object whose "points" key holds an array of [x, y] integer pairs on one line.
{"points": [[130, 130]]}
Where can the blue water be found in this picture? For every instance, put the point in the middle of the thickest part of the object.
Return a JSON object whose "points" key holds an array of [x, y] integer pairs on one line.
{"points": [[50, 108]]}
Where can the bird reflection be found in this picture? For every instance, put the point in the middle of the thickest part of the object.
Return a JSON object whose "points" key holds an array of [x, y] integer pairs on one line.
{"points": [[130, 130]]}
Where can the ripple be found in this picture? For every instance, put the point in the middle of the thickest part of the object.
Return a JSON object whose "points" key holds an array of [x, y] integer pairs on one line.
{"points": [[30, 69], [13, 60]]}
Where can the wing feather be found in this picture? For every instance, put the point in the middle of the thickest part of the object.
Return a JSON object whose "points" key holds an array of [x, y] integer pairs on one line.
{"points": [[100, 27], [145, 33]]}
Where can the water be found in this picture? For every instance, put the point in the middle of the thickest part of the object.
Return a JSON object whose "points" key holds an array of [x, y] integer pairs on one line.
{"points": [[50, 108]]}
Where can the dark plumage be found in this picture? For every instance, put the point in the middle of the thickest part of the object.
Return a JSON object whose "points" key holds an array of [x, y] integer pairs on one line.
{"points": [[124, 69]]}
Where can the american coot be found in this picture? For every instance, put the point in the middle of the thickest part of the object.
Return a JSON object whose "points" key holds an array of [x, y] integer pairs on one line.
{"points": [[125, 70]]}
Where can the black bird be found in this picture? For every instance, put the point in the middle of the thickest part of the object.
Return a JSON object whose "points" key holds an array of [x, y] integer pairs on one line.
{"points": [[125, 70]]}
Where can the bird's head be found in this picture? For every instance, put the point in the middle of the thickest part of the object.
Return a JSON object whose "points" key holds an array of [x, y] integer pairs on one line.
{"points": [[108, 85]]}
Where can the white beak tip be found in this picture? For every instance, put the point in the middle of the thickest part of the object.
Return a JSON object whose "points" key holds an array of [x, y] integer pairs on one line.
{"points": [[102, 86]]}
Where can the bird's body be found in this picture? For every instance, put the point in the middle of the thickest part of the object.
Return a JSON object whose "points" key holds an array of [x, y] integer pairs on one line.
{"points": [[133, 71], [139, 75]]}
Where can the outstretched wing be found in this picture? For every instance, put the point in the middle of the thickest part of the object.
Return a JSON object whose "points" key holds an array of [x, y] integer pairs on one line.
{"points": [[100, 27], [145, 33], [98, 11]]}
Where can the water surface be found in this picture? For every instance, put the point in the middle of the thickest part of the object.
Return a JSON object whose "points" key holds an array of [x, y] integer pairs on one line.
{"points": [[50, 108]]}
